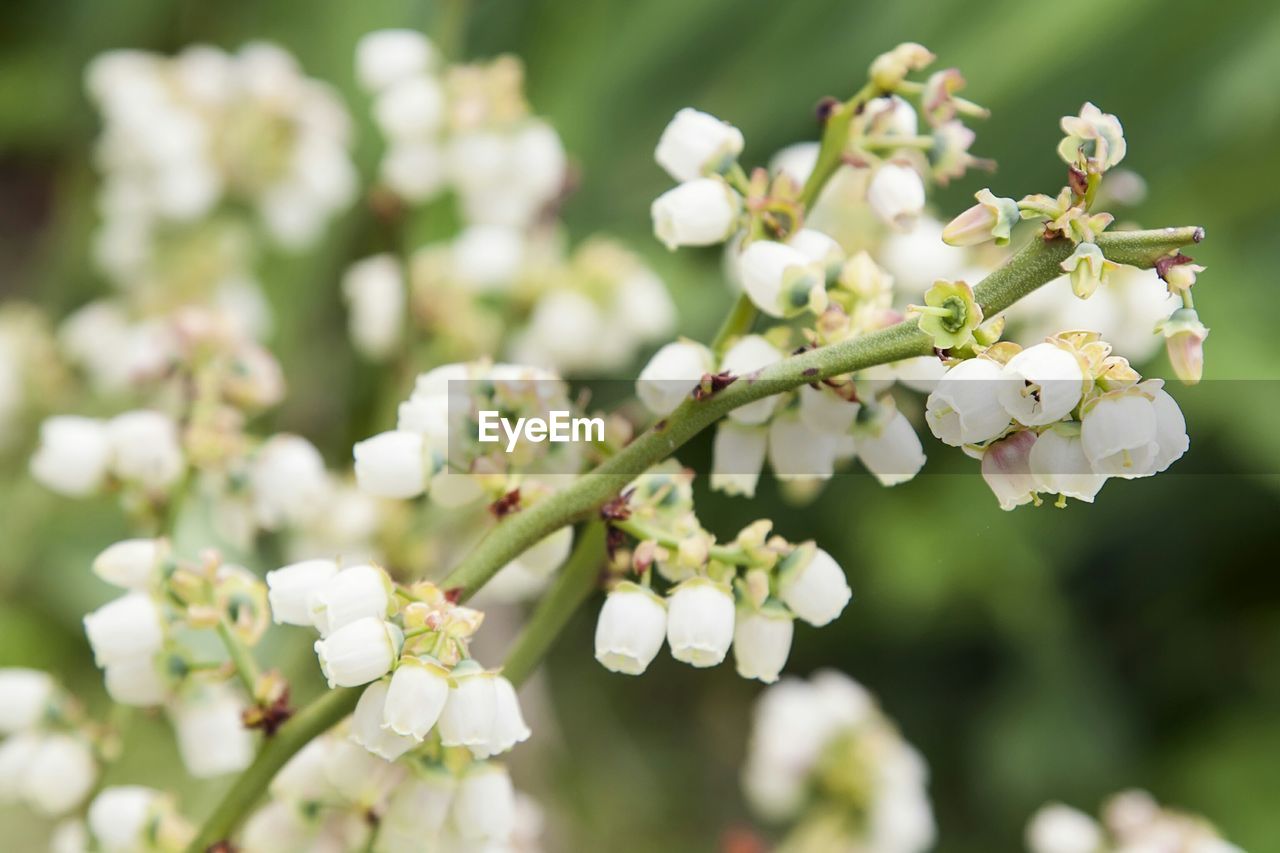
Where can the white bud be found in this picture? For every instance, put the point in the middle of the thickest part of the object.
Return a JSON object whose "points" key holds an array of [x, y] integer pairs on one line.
{"points": [[672, 373], [700, 212], [25, 696], [119, 816], [410, 109], [69, 836], [488, 257], [392, 464], [896, 195], [824, 411], [1120, 435], [737, 456], [73, 455], [815, 591], [891, 115], [136, 681], [780, 279], [643, 304], [417, 811], [749, 354], [413, 170], [289, 481], [415, 698], [890, 450], [467, 719], [1171, 431], [359, 652], [375, 295], [359, 777], [796, 161], [965, 406], [1057, 828], [700, 616], [1044, 384], [60, 772], [384, 57], [130, 564], [762, 642], [1059, 466], [536, 163], [695, 143], [819, 248], [145, 448], [212, 738], [289, 590], [797, 452], [484, 805], [1006, 468], [356, 592], [302, 778], [368, 730], [630, 629], [16, 755], [509, 727], [125, 629], [278, 826]]}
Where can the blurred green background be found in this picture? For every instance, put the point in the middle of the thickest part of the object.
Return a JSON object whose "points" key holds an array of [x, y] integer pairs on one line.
{"points": [[1031, 656]]}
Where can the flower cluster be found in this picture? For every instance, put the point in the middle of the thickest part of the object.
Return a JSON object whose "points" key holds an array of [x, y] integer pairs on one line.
{"points": [[1131, 821], [746, 594], [824, 757], [123, 819], [48, 755]]}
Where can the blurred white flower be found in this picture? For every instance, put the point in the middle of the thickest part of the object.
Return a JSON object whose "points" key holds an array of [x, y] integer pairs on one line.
{"points": [[128, 628], [25, 698], [289, 481], [145, 449], [73, 456], [385, 57], [896, 195], [374, 290], [212, 738]]}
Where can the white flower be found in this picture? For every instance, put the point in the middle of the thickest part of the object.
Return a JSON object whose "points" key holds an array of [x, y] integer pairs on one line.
{"points": [[671, 374], [1006, 467], [813, 586], [302, 778], [145, 448], [890, 449], [375, 295], [488, 257], [356, 592], [1044, 384], [413, 170], [891, 115], [630, 629], [700, 615], [136, 681], [16, 754], [1171, 431], [700, 212], [1120, 435], [25, 696], [965, 406], [415, 698], [119, 815], [359, 652], [289, 481], [896, 195], [737, 455], [358, 776], [918, 258], [484, 805], [1056, 828], [417, 811], [289, 590], [824, 411], [212, 738], [278, 826], [392, 464], [749, 354], [1059, 466], [73, 455], [384, 57], [69, 836], [58, 775], [410, 109], [131, 564], [796, 161], [762, 642], [780, 279], [695, 143], [921, 373], [509, 727], [368, 729], [125, 629], [797, 452], [567, 329], [467, 719]]}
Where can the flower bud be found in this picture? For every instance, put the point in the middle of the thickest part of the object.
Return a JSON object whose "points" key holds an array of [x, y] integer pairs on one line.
{"points": [[484, 807], [384, 57], [289, 481], [1094, 139], [416, 697], [1181, 277], [820, 249], [812, 585], [1059, 466], [888, 70], [762, 642], [289, 590], [1006, 468], [965, 406], [1119, 435], [509, 727], [415, 171], [410, 109], [1184, 336], [890, 115], [375, 294], [700, 212], [488, 258], [672, 373], [467, 719], [630, 629], [896, 195], [392, 464], [780, 280], [119, 816], [700, 615], [359, 652], [1088, 269], [890, 449], [73, 455], [136, 681], [354, 593], [212, 739], [795, 162], [797, 452], [131, 564], [1057, 828], [1043, 383], [695, 143], [125, 629], [58, 775], [25, 697], [368, 729], [992, 218], [145, 449], [749, 354]]}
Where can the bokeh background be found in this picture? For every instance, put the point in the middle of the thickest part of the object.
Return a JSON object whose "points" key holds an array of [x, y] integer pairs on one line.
{"points": [[1036, 655]]}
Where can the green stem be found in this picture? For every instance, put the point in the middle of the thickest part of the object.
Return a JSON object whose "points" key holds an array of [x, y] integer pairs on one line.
{"points": [[739, 321], [241, 658]]}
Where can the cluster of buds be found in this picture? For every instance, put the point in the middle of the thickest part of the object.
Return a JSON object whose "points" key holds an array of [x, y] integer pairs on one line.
{"points": [[409, 645], [745, 595], [824, 757], [335, 795], [1059, 417], [48, 751], [1131, 821], [139, 451]]}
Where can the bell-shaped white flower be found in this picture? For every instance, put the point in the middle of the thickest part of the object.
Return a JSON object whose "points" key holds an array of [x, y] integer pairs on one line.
{"points": [[125, 629], [921, 373], [630, 629], [797, 452], [812, 585], [59, 773], [119, 815], [1120, 435], [488, 258], [896, 195], [509, 727], [73, 456], [131, 564], [1059, 466], [416, 172], [780, 279], [1171, 431], [695, 143], [1044, 384], [276, 826], [145, 449], [416, 697], [1056, 828], [212, 739], [749, 354], [368, 729], [25, 697], [965, 406], [359, 652], [392, 464], [1006, 467], [890, 449], [359, 777], [672, 373], [384, 57], [136, 681], [374, 290], [822, 410], [484, 806], [354, 593], [700, 616], [289, 481], [417, 811], [699, 212], [737, 456], [467, 719], [410, 109], [289, 590], [762, 642]]}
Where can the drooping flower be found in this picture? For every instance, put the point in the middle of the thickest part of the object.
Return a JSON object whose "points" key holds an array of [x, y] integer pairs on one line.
{"points": [[630, 629], [700, 617], [695, 143]]}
